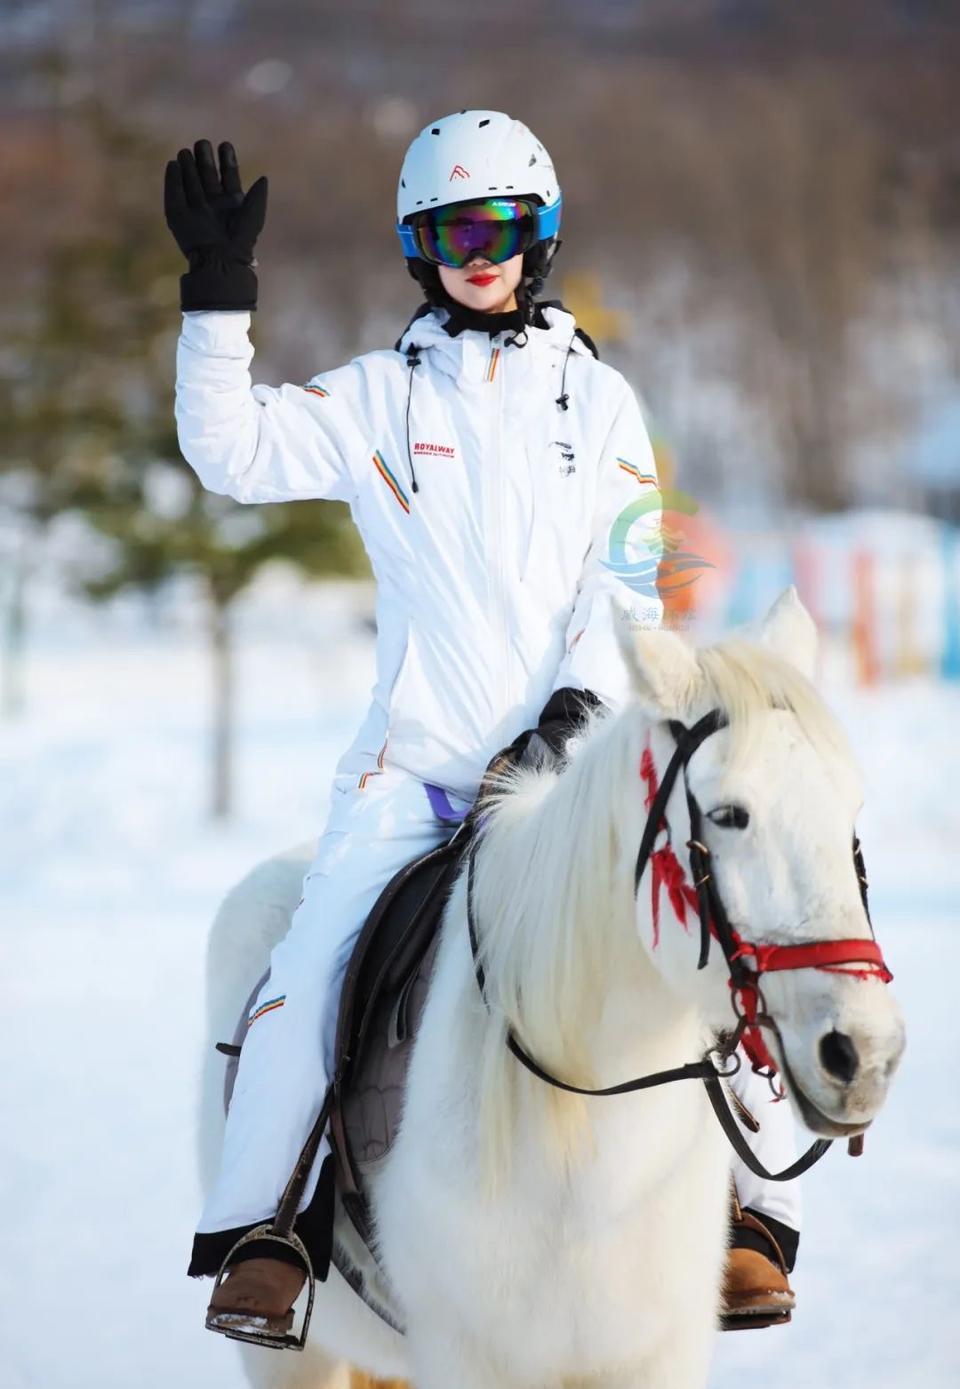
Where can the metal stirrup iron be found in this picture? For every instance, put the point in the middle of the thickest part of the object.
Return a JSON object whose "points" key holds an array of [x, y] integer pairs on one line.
{"points": [[280, 1231]]}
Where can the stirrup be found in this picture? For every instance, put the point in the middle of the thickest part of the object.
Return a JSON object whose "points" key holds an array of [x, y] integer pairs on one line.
{"points": [[273, 1340]]}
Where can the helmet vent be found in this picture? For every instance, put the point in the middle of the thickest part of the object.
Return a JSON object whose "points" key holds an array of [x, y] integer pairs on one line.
{"points": [[403, 183], [481, 124], [435, 130], [533, 160]]}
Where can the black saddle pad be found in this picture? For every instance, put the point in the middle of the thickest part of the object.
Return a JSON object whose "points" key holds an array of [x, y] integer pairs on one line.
{"points": [[384, 991]]}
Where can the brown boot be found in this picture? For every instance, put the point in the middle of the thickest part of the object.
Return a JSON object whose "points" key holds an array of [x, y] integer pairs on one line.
{"points": [[756, 1290], [256, 1295]]}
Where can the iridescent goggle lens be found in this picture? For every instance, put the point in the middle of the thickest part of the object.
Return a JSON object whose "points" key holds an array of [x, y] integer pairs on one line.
{"points": [[497, 228]]}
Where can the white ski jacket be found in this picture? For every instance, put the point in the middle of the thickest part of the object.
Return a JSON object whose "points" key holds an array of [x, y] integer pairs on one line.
{"points": [[487, 538]]}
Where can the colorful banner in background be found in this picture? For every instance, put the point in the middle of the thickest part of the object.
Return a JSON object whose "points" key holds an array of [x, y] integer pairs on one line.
{"points": [[882, 586], [884, 590]]}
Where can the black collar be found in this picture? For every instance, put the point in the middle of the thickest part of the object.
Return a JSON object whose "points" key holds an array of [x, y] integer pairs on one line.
{"points": [[461, 317], [493, 323]]}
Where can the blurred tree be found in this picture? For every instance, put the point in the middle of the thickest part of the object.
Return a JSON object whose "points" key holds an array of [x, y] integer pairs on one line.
{"points": [[79, 354], [91, 428], [62, 418], [160, 523]]}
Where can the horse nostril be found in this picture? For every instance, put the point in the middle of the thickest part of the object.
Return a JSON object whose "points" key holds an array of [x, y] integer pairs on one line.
{"points": [[838, 1056]]}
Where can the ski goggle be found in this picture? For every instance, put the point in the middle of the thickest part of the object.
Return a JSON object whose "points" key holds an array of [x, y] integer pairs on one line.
{"points": [[496, 228]]}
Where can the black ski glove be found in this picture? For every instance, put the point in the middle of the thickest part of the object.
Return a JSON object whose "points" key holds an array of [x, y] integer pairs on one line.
{"points": [[215, 226], [560, 718]]}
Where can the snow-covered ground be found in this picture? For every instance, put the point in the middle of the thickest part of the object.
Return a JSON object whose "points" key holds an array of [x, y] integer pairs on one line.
{"points": [[111, 873]]}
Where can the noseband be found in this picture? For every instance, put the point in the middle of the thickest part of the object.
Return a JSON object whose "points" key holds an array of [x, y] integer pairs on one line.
{"points": [[749, 1009]]}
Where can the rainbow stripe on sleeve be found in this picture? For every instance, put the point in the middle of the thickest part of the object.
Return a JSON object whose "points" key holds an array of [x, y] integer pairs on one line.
{"points": [[646, 479], [380, 464]]}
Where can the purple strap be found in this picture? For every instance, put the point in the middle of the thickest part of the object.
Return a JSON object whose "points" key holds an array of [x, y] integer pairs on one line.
{"points": [[441, 806]]}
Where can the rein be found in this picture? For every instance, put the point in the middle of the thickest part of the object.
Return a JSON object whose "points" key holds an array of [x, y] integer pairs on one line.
{"points": [[720, 1062]]}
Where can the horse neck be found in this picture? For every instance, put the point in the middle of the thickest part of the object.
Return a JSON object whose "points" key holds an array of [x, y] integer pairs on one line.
{"points": [[558, 921]]}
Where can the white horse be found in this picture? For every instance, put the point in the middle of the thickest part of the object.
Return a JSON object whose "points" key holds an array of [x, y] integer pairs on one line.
{"points": [[535, 1239]]}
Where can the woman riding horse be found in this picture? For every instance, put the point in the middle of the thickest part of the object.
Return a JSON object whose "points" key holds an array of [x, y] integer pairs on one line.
{"points": [[485, 459]]}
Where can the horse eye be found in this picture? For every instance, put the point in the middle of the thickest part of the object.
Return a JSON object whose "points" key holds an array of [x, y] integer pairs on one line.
{"points": [[729, 817]]}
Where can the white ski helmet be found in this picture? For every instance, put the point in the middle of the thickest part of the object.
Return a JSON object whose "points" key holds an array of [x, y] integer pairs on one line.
{"points": [[472, 155]]}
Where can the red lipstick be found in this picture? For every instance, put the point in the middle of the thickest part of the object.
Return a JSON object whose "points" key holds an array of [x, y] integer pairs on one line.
{"points": [[481, 279]]}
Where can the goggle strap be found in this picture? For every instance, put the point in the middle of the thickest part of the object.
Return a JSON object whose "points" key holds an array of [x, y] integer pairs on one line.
{"points": [[405, 233]]}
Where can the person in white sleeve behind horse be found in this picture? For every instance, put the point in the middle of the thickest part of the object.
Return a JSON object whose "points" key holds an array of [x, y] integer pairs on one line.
{"points": [[484, 458]]}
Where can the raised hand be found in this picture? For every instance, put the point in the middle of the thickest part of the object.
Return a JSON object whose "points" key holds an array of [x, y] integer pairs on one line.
{"points": [[215, 225]]}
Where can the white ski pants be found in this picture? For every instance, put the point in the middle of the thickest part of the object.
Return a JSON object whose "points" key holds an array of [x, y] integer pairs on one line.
{"points": [[372, 830]]}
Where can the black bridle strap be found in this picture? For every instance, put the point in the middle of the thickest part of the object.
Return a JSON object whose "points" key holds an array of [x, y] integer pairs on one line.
{"points": [[721, 1108], [478, 969], [655, 817], [695, 1070], [709, 908], [687, 741]]}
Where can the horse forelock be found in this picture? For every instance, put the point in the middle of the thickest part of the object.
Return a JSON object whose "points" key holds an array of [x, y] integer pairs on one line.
{"points": [[746, 680]]}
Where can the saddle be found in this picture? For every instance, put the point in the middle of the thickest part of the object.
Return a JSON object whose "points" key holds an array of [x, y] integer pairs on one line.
{"points": [[381, 1003]]}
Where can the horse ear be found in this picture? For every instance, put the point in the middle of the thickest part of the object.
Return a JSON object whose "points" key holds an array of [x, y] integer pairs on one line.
{"points": [[663, 669], [789, 630]]}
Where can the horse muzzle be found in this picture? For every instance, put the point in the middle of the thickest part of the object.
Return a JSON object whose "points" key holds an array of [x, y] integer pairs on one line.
{"points": [[838, 1074]]}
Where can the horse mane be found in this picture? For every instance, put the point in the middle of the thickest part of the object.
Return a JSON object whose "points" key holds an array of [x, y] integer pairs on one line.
{"points": [[548, 860], [554, 882]]}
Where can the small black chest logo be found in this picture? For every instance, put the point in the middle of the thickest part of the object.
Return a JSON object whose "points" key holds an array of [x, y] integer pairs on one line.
{"points": [[565, 463]]}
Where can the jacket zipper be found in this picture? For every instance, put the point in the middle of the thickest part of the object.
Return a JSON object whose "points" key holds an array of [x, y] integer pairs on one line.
{"points": [[501, 579]]}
